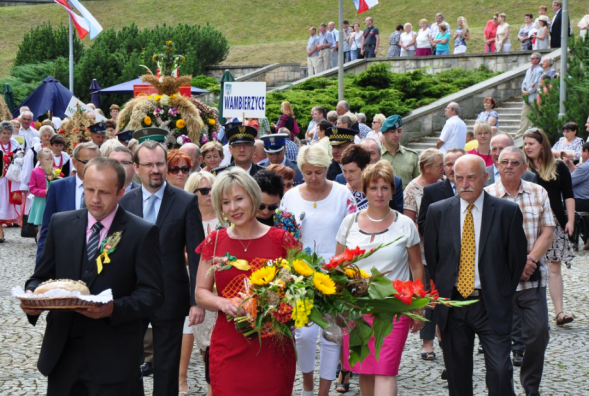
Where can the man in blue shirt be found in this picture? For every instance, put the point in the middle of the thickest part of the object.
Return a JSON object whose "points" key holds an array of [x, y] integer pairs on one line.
{"points": [[326, 42], [312, 52], [580, 179]]}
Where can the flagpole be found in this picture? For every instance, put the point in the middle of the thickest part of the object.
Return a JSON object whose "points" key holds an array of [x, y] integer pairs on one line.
{"points": [[340, 54], [564, 40], [71, 42]]}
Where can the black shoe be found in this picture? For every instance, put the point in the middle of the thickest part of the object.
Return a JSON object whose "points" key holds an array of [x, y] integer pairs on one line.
{"points": [[146, 369], [444, 375], [518, 358], [481, 348]]}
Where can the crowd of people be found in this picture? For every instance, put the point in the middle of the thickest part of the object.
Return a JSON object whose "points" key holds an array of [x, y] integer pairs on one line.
{"points": [[489, 222], [434, 38]]}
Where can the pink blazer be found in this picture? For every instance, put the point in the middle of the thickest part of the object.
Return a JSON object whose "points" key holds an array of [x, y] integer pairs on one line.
{"points": [[38, 183]]}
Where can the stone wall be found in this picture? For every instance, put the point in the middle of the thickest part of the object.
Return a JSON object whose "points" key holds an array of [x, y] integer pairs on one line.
{"points": [[274, 74], [426, 120]]}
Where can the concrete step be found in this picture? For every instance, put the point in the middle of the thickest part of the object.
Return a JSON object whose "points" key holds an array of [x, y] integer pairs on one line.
{"points": [[502, 122], [510, 105]]}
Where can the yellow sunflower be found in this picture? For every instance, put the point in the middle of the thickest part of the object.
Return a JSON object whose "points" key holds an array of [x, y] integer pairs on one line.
{"points": [[263, 276], [324, 283], [147, 120], [180, 123], [302, 268]]}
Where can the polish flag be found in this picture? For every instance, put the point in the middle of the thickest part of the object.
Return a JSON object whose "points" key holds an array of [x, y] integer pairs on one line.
{"points": [[79, 23], [364, 5], [95, 27]]}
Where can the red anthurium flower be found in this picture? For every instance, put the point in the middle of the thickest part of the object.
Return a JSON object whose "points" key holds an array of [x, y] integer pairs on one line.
{"points": [[347, 255], [433, 292], [418, 289], [404, 291]]}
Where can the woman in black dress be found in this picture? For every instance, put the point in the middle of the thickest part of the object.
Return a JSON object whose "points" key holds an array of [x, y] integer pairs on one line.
{"points": [[555, 177]]}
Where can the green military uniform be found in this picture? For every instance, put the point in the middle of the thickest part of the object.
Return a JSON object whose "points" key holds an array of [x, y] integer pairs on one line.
{"points": [[405, 163]]}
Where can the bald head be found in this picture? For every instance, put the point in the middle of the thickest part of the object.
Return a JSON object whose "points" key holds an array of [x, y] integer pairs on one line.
{"points": [[498, 143], [193, 152], [373, 147], [470, 177]]}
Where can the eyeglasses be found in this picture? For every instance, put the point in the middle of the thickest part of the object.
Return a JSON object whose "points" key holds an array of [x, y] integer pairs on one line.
{"points": [[270, 207], [152, 164], [126, 162], [82, 161], [203, 190], [510, 162], [176, 169]]}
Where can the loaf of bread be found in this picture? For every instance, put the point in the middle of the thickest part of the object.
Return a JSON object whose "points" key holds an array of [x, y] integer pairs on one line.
{"points": [[63, 284]]}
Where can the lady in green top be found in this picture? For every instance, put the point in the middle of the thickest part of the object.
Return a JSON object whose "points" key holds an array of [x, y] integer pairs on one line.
{"points": [[442, 40]]}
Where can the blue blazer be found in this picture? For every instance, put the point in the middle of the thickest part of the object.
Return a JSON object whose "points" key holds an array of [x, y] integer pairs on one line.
{"points": [[61, 197], [397, 202]]}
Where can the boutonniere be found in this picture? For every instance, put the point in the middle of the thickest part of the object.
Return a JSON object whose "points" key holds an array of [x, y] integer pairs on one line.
{"points": [[227, 261], [108, 246]]}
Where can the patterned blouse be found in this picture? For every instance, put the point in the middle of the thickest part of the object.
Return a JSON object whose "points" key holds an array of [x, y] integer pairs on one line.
{"points": [[484, 117], [394, 49], [575, 146]]}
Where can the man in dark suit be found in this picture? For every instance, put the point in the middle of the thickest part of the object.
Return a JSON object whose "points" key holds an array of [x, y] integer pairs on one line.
{"points": [[475, 248], [177, 216], [67, 194], [556, 25], [241, 146], [97, 350], [339, 139], [441, 190], [125, 157], [275, 149], [498, 143]]}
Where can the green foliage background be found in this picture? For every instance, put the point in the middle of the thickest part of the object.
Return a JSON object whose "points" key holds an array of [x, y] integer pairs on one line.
{"points": [[376, 90]]}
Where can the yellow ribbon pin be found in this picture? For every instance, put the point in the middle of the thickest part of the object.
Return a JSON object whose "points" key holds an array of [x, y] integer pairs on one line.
{"points": [[242, 265]]}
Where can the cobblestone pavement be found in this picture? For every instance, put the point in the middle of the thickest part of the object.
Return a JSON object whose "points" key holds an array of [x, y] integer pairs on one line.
{"points": [[566, 369]]}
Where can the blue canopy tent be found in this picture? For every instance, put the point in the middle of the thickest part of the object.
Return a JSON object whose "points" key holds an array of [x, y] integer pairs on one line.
{"points": [[50, 95], [126, 88]]}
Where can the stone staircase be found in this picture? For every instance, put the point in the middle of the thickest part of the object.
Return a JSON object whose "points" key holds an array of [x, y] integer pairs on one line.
{"points": [[509, 122]]}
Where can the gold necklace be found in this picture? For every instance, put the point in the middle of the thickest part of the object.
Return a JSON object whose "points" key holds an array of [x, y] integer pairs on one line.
{"points": [[317, 196], [245, 247]]}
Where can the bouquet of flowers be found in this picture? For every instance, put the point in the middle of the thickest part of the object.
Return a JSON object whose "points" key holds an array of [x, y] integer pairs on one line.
{"points": [[299, 289], [55, 175]]}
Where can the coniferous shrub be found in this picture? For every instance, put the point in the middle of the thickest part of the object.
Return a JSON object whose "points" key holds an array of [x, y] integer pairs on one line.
{"points": [[45, 43]]}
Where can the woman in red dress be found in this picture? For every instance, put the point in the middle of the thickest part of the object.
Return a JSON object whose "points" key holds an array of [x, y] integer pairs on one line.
{"points": [[238, 365]]}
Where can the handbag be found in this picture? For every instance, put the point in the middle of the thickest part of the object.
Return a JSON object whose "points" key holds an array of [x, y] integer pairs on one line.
{"points": [[28, 230], [14, 171], [15, 198]]}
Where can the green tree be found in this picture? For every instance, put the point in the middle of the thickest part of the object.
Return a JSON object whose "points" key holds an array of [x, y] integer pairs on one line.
{"points": [[576, 104], [45, 43]]}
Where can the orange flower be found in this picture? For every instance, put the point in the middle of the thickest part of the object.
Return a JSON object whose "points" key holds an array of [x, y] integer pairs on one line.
{"points": [[147, 120], [180, 123]]}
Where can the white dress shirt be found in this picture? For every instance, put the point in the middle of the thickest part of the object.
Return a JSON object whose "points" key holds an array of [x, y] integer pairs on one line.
{"points": [[453, 134], [477, 216], [29, 135], [79, 192]]}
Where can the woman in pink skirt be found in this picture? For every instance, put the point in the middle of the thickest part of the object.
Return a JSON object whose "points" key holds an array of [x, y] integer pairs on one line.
{"points": [[368, 229]]}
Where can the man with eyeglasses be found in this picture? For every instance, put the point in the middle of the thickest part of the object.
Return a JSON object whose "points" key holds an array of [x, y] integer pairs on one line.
{"points": [[530, 297], [530, 88], [177, 216], [241, 146], [193, 152], [498, 143], [68, 193], [125, 157]]}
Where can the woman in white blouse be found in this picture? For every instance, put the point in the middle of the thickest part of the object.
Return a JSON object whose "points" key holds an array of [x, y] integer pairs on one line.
{"points": [[423, 41], [407, 42]]}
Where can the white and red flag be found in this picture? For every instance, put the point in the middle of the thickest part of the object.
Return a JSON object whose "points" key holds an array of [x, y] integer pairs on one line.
{"points": [[79, 23], [95, 27], [364, 5]]}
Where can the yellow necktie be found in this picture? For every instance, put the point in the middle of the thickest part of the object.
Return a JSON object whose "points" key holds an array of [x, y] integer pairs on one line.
{"points": [[467, 256]]}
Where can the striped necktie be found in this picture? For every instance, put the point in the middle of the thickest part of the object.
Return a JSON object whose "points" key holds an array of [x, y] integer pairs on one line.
{"points": [[465, 284], [93, 243]]}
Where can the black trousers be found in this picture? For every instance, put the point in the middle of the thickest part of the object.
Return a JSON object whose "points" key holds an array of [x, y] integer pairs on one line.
{"points": [[71, 377], [535, 331], [167, 347], [458, 344], [581, 205]]}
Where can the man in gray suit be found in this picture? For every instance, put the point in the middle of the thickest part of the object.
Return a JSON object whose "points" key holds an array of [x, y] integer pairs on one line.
{"points": [[498, 143]]}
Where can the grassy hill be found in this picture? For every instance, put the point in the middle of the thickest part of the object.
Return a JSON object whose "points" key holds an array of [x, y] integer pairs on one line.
{"points": [[264, 31]]}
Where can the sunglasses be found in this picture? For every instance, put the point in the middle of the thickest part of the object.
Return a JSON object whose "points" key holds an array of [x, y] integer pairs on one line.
{"points": [[175, 169], [534, 132], [270, 207], [203, 191]]}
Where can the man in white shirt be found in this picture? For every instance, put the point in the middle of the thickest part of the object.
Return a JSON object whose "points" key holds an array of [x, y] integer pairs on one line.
{"points": [[335, 33], [26, 131], [454, 131]]}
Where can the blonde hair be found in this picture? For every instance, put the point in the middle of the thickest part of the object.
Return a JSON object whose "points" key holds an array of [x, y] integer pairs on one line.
{"points": [[287, 108], [379, 118], [408, 24], [313, 155], [108, 146], [427, 158], [226, 182], [547, 168], [423, 21], [210, 146], [482, 127], [464, 23], [381, 170], [502, 15], [194, 181], [48, 168]]}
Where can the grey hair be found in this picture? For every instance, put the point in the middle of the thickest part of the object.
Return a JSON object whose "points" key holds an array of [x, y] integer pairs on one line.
{"points": [[537, 55], [550, 61], [345, 120], [46, 128], [373, 140], [344, 104], [332, 116], [7, 125], [82, 146], [513, 149], [108, 146], [503, 134], [26, 111], [428, 157], [313, 155], [439, 14], [455, 106], [361, 118]]}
